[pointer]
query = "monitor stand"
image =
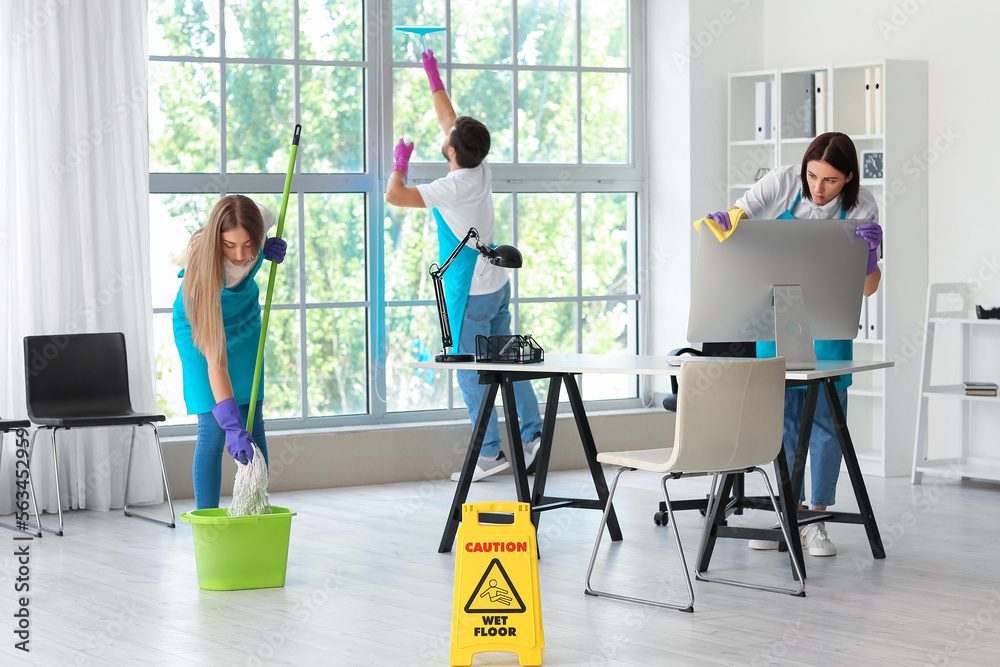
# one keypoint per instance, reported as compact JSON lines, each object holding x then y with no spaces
{"x":792,"y":337}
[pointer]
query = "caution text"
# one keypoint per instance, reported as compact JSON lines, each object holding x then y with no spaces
{"x":495,"y":547}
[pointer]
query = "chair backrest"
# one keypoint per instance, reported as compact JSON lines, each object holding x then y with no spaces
{"x":729,"y":413}
{"x":76,"y":375}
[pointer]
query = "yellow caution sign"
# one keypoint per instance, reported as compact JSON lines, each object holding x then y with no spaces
{"x":497,"y":604}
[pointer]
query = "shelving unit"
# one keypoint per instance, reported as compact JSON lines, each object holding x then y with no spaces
{"x":949,"y":305}
{"x":883,"y":398}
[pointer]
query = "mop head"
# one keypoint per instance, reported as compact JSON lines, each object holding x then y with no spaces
{"x":250,"y":487}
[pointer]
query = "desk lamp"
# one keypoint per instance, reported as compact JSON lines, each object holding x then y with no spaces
{"x":506,"y":256}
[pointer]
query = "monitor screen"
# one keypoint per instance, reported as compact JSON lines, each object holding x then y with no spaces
{"x":731,"y":293}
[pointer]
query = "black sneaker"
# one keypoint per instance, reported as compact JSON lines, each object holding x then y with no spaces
{"x":485,"y":468}
{"x":531,"y":452}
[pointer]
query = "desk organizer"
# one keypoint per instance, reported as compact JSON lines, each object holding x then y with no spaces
{"x":509,"y":349}
{"x":987,"y":313}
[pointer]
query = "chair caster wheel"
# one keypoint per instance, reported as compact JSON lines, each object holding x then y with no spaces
{"x":661,"y":518}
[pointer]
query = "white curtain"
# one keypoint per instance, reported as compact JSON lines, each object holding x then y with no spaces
{"x":74,"y":244}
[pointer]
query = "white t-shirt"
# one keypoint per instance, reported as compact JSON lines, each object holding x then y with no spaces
{"x":776,"y":191}
{"x":236,"y":273}
{"x":465,"y":199}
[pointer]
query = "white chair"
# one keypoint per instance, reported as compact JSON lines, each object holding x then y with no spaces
{"x":729,"y":420}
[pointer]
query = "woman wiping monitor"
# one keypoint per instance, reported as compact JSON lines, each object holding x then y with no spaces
{"x":824,"y":187}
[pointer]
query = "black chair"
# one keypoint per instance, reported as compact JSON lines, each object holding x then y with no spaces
{"x":745,"y":350}
{"x":81,"y":381}
{"x":19,"y":428}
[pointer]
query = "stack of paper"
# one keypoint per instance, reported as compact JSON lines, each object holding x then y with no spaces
{"x":980,"y":388}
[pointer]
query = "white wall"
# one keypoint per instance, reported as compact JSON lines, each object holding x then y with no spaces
{"x":667,"y":253}
{"x":688,"y":156}
{"x":692,"y":46}
{"x":957,"y":39}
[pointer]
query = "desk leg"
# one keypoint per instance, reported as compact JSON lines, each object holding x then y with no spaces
{"x":715,"y":518}
{"x":590,"y":449}
{"x":854,"y":469}
{"x":471,"y":458}
{"x":514,"y":438}
{"x":802,"y":447}
{"x":788,"y":503}
{"x":545,"y":449}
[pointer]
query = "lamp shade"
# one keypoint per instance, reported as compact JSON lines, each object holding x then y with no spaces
{"x":506,"y":256}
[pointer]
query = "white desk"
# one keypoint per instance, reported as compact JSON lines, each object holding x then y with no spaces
{"x":641,"y":364}
{"x":562,"y":367}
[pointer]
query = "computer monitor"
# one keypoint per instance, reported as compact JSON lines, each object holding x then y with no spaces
{"x":807,"y":276}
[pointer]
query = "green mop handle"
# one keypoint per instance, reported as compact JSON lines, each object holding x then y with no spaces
{"x":270,"y":281}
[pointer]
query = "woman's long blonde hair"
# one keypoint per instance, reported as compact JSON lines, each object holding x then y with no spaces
{"x":205,"y":273}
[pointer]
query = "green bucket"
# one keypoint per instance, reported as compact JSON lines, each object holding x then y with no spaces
{"x":238,"y":552}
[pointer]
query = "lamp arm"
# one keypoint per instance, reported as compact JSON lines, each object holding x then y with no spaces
{"x":472,"y":233}
{"x":436,"y":273}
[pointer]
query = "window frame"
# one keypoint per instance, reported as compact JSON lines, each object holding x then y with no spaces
{"x":508,"y":178}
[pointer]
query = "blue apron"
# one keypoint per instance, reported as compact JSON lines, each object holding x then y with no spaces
{"x":241,"y":319}
{"x":825,"y":349}
{"x":458,"y":279}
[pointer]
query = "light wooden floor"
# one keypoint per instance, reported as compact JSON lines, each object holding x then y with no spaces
{"x":366,"y":586}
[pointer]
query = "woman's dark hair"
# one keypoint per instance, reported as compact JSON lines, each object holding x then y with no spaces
{"x":471,"y":141}
{"x":837,"y":150}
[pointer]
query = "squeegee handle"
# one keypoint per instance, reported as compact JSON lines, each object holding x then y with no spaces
{"x":265,"y":316}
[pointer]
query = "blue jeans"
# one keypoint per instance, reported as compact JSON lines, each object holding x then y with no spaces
{"x":489,"y":315}
{"x":206,"y":468}
{"x":824,"y":447}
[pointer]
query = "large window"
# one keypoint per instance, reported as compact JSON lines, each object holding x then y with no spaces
{"x":554,"y":80}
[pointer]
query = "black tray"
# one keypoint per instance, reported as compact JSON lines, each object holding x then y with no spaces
{"x":509,"y":349}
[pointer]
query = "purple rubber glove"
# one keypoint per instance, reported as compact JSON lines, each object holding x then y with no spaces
{"x":401,"y":154}
{"x":239,"y":444}
{"x":431,"y":68}
{"x":871,"y":232}
{"x":274,"y":249}
{"x":722,"y":217}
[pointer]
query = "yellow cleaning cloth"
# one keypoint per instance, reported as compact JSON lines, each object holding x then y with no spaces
{"x":722,"y":235}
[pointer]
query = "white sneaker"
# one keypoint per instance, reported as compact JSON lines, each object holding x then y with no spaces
{"x":485,"y":467}
{"x":765,"y":545}
{"x":816,"y":541}
{"x":531,"y":451}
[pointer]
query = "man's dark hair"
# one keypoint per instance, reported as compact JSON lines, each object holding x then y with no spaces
{"x":471,"y":141}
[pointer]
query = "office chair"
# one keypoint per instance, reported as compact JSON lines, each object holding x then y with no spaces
{"x":734,"y":349}
{"x":19,"y":428}
{"x":81,"y":381}
{"x":729,"y":420}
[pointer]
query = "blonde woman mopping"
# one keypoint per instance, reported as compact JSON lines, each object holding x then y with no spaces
{"x":217,"y":325}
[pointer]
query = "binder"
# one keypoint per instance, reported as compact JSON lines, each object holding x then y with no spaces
{"x":869,"y":102}
{"x":762,"y":110}
{"x":774,"y":112}
{"x":809,"y":107}
{"x":877,"y":100}
{"x":821,"y":96}
{"x":874,"y":322}
{"x":980,"y":388}
{"x":863,"y":323}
